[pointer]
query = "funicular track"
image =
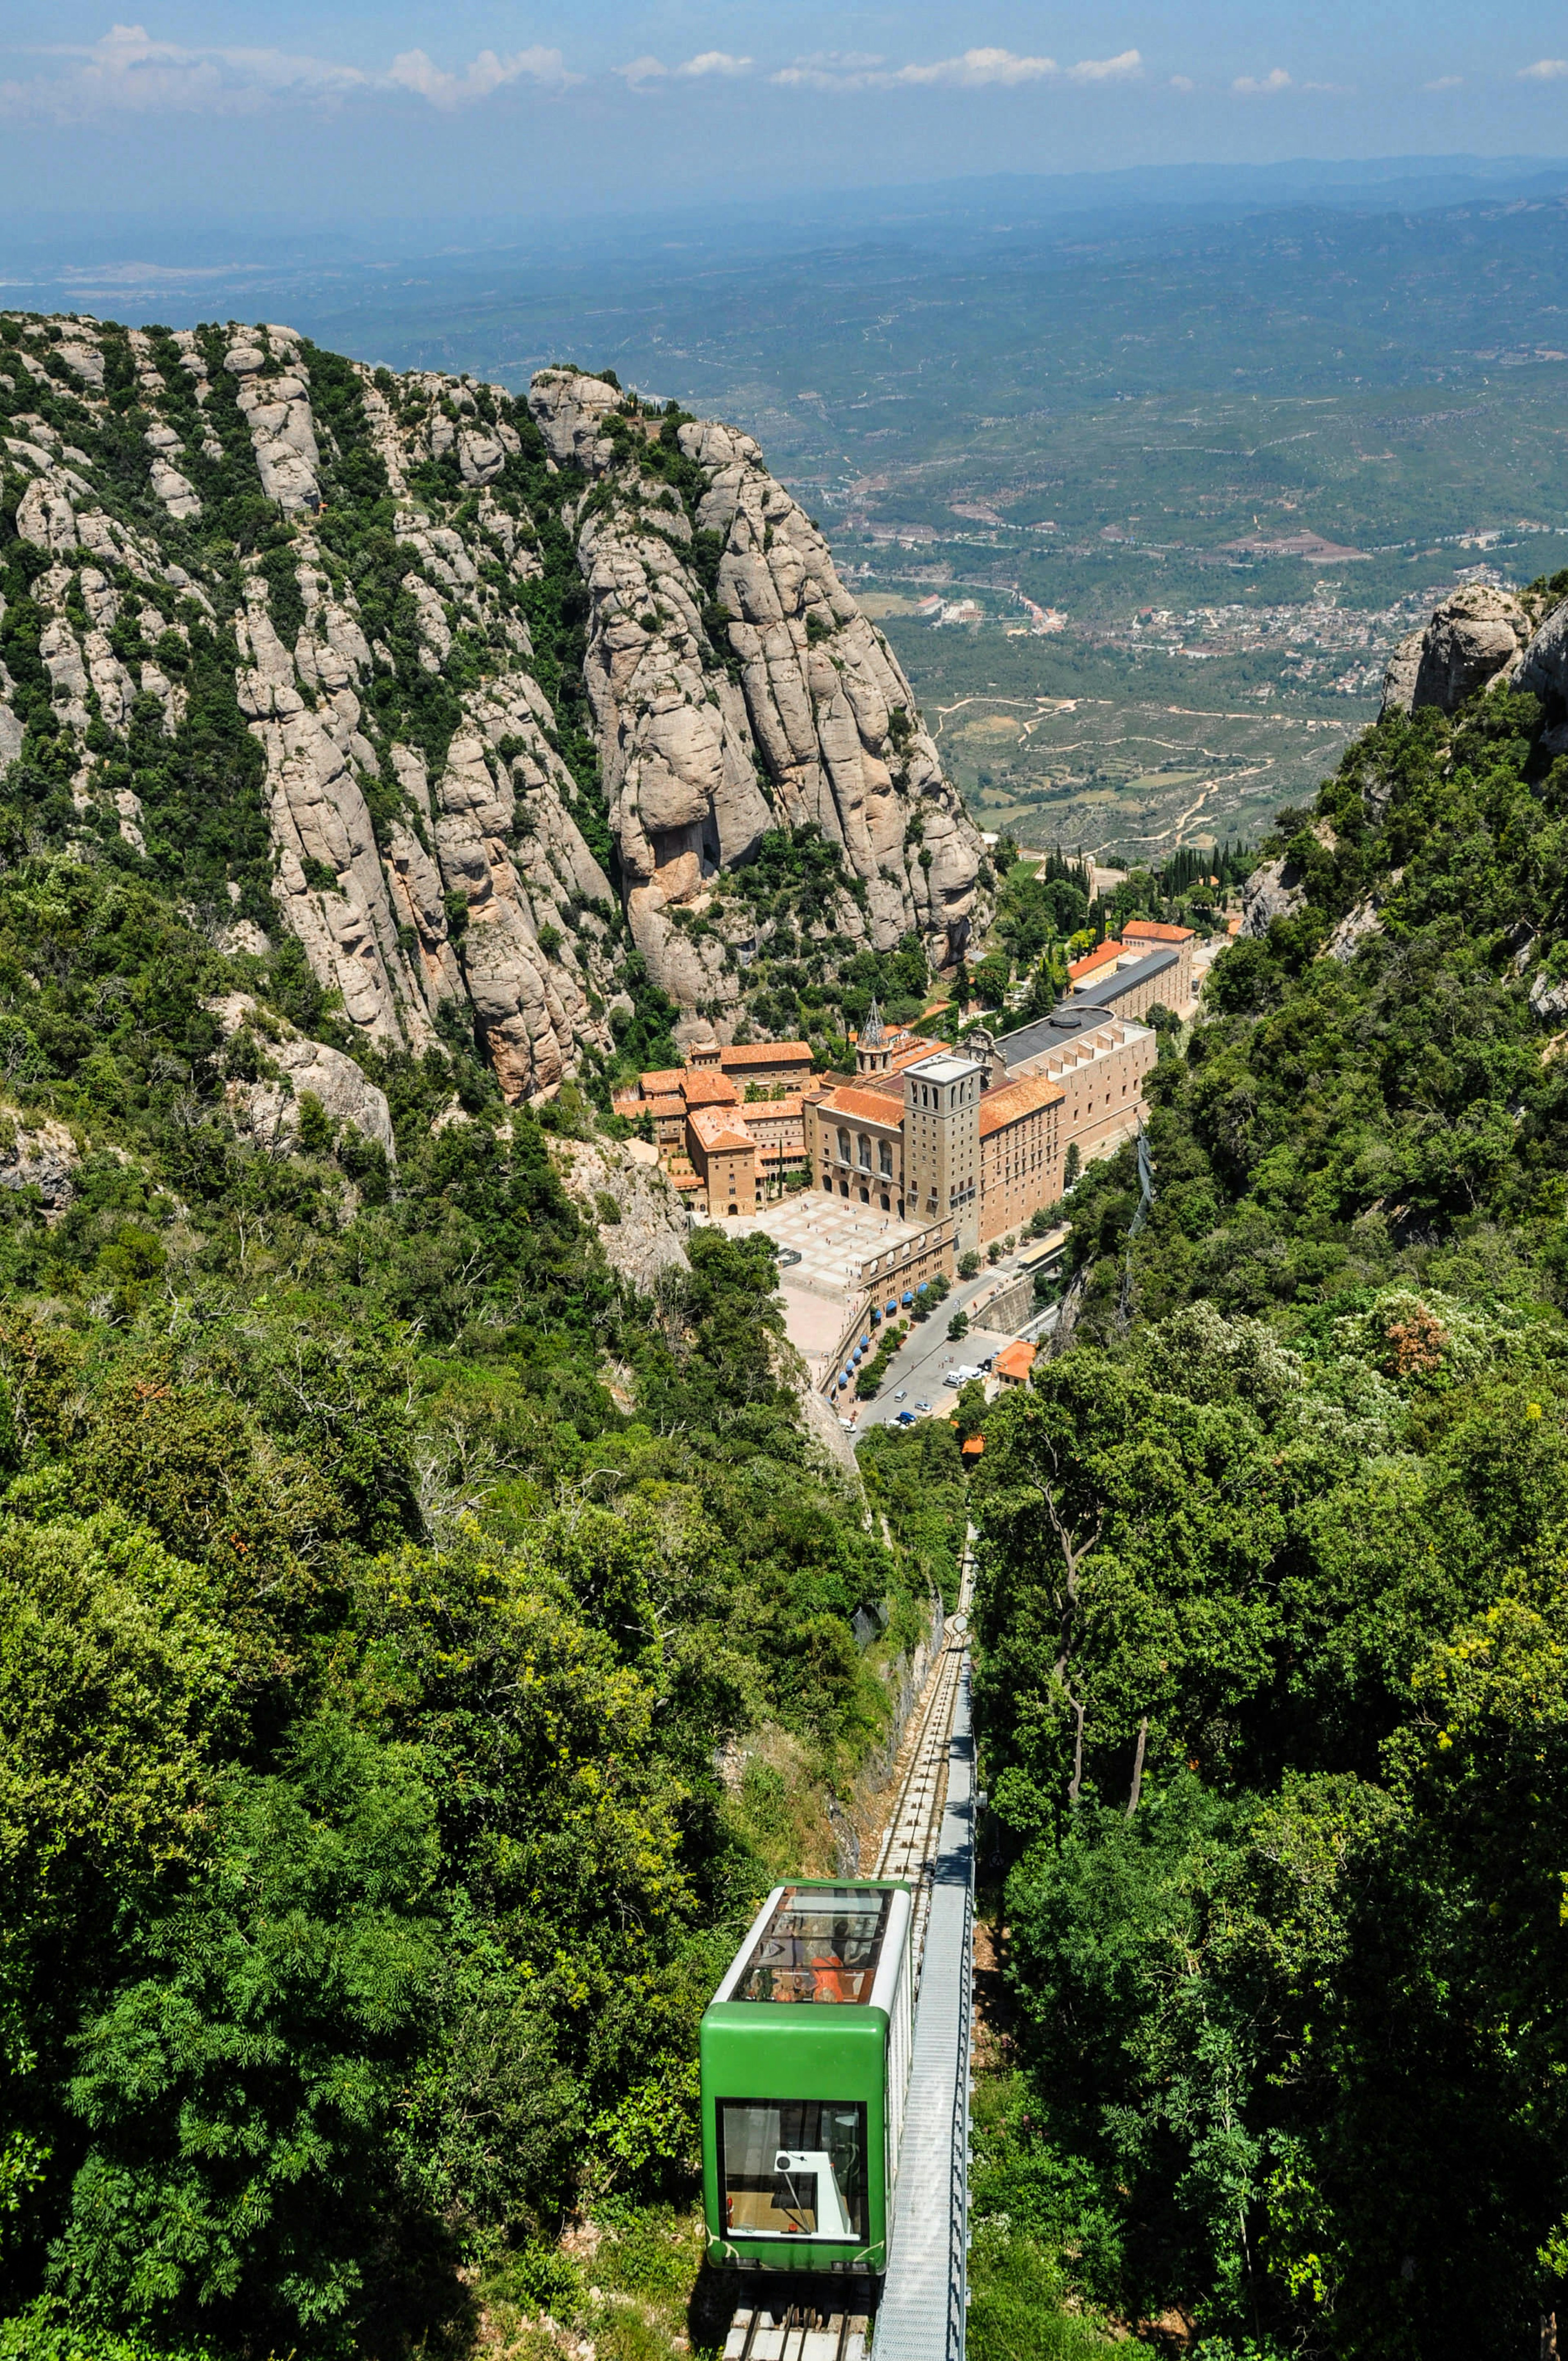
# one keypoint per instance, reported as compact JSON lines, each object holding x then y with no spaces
{"x":783,"y":2318}
{"x":782,"y":2331}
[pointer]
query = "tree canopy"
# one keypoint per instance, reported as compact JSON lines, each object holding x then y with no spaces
{"x":1271,"y":1612}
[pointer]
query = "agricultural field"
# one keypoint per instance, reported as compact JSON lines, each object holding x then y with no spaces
{"x":1126,"y":751}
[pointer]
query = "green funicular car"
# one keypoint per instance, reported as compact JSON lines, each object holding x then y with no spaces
{"x":806,"y":2053}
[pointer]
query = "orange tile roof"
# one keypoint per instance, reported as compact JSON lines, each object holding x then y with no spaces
{"x":662,"y":1081}
{"x":1093,"y":961}
{"x":770,"y":1111}
{"x":767,"y":1053}
{"x":709,"y":1089}
{"x":863,"y":1106}
{"x":915,"y":1048}
{"x":686,"y":1181}
{"x":1150,"y":931}
{"x":1015,"y":1361}
{"x":715,"y":1130}
{"x":1015,"y":1100}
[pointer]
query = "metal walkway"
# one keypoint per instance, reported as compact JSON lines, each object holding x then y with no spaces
{"x":921,"y":2316}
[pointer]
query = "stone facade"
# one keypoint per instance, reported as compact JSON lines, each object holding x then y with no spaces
{"x":904,"y":1139}
{"x":764,"y":1064}
{"x":1130,"y":977}
{"x":1144,"y":935}
{"x":726,"y":1153}
{"x":1020,"y":1151}
{"x":941,"y":1132}
{"x":854,"y":1145}
{"x":724,"y":1156}
{"x":1099,"y":1071}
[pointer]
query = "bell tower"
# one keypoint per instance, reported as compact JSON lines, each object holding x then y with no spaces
{"x":942,"y":1144}
{"x":873,"y":1055}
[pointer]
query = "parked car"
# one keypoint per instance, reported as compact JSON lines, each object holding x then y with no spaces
{"x":920,"y":1405}
{"x":900,"y":1395}
{"x":904,"y":1418}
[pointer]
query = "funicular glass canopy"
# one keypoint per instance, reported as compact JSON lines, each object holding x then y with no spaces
{"x":822,"y":1943}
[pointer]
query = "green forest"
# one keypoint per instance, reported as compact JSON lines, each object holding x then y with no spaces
{"x":1273,"y":1675}
{"x":417,"y":1652}
{"x":422,"y":1643}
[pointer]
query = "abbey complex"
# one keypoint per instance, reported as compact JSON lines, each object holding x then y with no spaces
{"x":973,"y":1142}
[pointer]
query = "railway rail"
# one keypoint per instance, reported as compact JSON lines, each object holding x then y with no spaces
{"x":838,"y":2324}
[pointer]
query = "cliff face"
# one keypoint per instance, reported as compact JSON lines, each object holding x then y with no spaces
{"x":457,"y":692}
{"x":1485,"y":638}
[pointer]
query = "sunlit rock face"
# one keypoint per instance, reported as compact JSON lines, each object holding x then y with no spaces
{"x":463,"y":829}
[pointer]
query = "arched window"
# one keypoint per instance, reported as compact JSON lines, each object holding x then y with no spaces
{"x":865,"y":1148}
{"x":844,"y":1144}
{"x":885,"y":1156}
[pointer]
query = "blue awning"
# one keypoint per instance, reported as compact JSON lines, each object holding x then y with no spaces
{"x":865,"y":1343}
{"x":893,"y":1306}
{"x":843,"y":1381}
{"x":908,"y":1298}
{"x":854,"y":1356}
{"x":922,"y":1286}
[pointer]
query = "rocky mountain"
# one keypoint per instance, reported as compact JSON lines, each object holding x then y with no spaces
{"x":1480,"y":639}
{"x":484,"y":707}
{"x":1485,"y":637}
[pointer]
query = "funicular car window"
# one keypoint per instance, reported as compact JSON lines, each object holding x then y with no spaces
{"x":821,"y":1944}
{"x":793,"y":2168}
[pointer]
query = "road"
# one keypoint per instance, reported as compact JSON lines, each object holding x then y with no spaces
{"x":925,"y":1355}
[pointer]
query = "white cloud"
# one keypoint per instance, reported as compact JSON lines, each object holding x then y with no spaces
{"x":989,"y":69}
{"x":644,"y":73}
{"x":1182,"y":82}
{"x":715,"y":61}
{"x":814,"y":77}
{"x":1544,"y":70}
{"x":414,"y":72}
{"x":1445,"y":81}
{"x":128,"y":71}
{"x":842,"y":60}
{"x":980,"y":69}
{"x":1106,"y":69}
{"x":1249,"y":87}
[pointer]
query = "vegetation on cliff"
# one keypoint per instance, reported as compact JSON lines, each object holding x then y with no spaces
{"x":383,"y":1584}
{"x":1273,"y":1615}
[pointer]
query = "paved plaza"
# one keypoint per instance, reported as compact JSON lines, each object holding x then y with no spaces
{"x":833,"y":1239}
{"x":832,"y":1236}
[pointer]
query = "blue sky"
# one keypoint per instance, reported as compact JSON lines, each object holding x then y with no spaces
{"x":485,"y":107}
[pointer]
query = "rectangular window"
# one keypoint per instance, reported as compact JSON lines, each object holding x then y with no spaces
{"x":792,"y":2168}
